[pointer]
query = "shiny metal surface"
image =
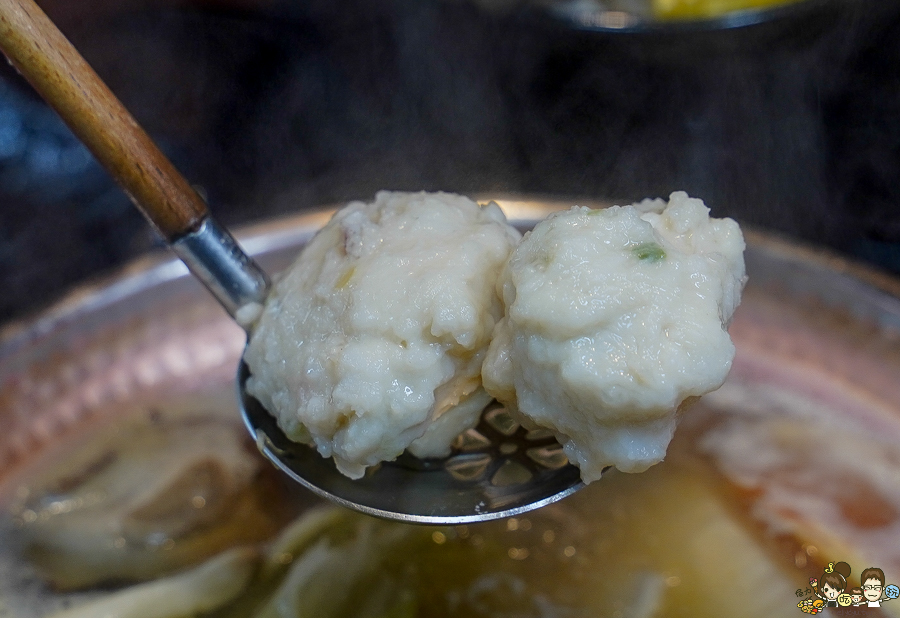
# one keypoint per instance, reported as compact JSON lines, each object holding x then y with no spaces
{"x":621,"y":16}
{"x":466,"y":487}
{"x":213,"y":256}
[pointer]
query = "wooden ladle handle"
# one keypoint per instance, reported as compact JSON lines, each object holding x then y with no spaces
{"x":44,"y":56}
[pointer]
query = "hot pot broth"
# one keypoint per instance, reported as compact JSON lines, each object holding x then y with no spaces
{"x":667,"y":542}
{"x":715,"y":527}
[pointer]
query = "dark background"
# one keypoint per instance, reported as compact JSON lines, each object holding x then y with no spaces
{"x":273,"y":107}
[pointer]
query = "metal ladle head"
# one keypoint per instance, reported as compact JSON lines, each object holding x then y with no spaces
{"x":496,"y":470}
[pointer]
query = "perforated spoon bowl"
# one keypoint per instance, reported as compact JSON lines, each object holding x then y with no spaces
{"x":496,"y":470}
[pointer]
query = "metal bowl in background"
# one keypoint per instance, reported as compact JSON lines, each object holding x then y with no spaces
{"x":637,"y":15}
{"x":818,"y":342}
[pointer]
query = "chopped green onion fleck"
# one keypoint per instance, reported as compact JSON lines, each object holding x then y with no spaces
{"x":649,"y":251}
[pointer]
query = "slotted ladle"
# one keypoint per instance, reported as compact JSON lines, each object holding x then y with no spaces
{"x":496,"y":470}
